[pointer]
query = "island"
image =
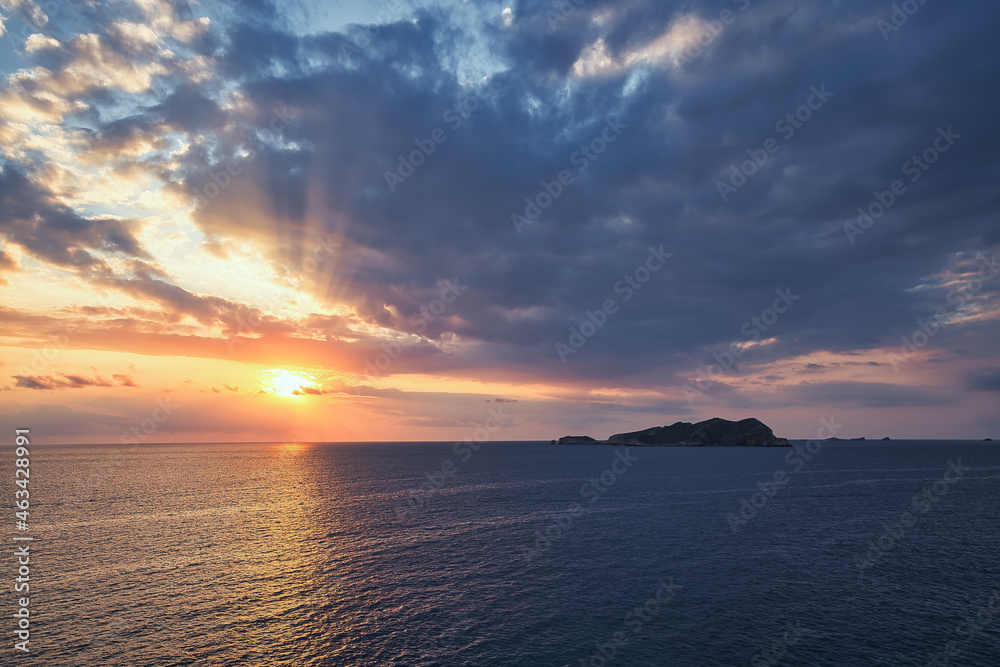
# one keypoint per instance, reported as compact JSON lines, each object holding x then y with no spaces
{"x":575,"y":440}
{"x":713,"y":432}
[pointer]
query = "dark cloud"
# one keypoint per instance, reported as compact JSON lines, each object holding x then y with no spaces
{"x":7,"y":262}
{"x":80,"y":381}
{"x":986,"y":381}
{"x":30,"y":382}
{"x":7,"y":265}
{"x":868,"y":394}
{"x":68,"y":381}
{"x":125,"y":380}
{"x":59,"y":420}
{"x":189,"y":110}
{"x":656,"y":185}
{"x":49,"y":230}
{"x":304,"y":157}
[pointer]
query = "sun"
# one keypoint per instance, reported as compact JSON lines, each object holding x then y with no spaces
{"x":286,"y":383}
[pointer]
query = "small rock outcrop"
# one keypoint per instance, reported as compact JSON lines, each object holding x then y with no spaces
{"x":885,"y":438}
{"x":577,"y":440}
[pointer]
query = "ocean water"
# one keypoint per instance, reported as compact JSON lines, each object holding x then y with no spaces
{"x":874,"y":553}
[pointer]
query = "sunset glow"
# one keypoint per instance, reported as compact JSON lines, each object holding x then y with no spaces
{"x":594,"y":226}
{"x":284,"y":383}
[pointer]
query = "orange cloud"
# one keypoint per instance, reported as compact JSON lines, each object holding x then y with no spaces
{"x":66,"y":381}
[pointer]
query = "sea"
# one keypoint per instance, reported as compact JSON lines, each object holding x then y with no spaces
{"x":509,"y":553}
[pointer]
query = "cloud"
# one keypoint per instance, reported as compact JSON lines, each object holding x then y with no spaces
{"x":69,"y":381}
{"x":986,"y":381}
{"x":7,"y":264}
{"x":77,"y":381}
{"x":655,"y":186}
{"x":125,"y":380}
{"x":29,"y":382}
{"x":867,"y":394}
{"x":28,"y":10}
{"x":37,"y":42}
{"x":666,"y":50}
{"x":62,"y":420}
{"x":53,"y":232}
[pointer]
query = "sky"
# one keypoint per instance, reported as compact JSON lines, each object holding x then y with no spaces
{"x":398,"y":220}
